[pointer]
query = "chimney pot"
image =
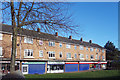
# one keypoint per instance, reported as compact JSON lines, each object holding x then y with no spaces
{"x":90,"y":41}
{"x":38,"y":29}
{"x":81,"y":39}
{"x":56,"y":34}
{"x":70,"y":37}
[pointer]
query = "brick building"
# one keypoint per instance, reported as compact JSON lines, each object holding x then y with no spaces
{"x":39,"y":52}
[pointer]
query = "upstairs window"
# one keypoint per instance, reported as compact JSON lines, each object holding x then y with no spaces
{"x":92,"y":57}
{"x":86,"y":56}
{"x":60,"y":44}
{"x":68,"y":55}
{"x":103,"y":51}
{"x":51,"y":43}
{"x":91,"y":49}
{"x":15,"y":53}
{"x":51,"y":54}
{"x":96,"y":50}
{"x":99,"y":50}
{"x":0,"y":51}
{"x":28,"y":53}
{"x":40,"y":42}
{"x":103,"y":57}
{"x":81,"y":56}
{"x":87,"y":48}
{"x":99,"y":57}
{"x":81,"y":47}
{"x":41,"y":53}
{"x":11,"y":37}
{"x":28,"y":40}
{"x":68,"y":46}
{"x":1,"y":36}
{"x":75,"y":47}
{"x":96,"y":57}
{"x":60,"y":54}
{"x":75,"y":55}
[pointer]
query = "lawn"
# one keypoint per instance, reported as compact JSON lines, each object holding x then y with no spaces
{"x":95,"y":74}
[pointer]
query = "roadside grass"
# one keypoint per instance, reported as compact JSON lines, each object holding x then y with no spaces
{"x":94,"y":74}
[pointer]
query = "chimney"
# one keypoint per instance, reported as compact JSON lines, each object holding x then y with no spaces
{"x":70,"y":37}
{"x":81,"y":39}
{"x":56,"y":34}
{"x":38,"y":29}
{"x":90,"y":41}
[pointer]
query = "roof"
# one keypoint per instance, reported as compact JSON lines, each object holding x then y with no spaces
{"x":41,"y":35}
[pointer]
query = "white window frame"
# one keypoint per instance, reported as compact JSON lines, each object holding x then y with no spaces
{"x":87,"y":48}
{"x":1,"y":36}
{"x":28,"y":40}
{"x":75,"y":55}
{"x":53,"y":54}
{"x":51,"y":43}
{"x":87,"y":56}
{"x":103,"y":51}
{"x":69,"y":56}
{"x":99,"y":50}
{"x":31,"y":52}
{"x":96,"y":50}
{"x":96,"y":57}
{"x":41,"y":53}
{"x":60,"y":53}
{"x":103,"y":57}
{"x":68,"y":46}
{"x":99,"y":57}
{"x":82,"y":56}
{"x":40,"y":42}
{"x":1,"y":52}
{"x":60,"y":44}
{"x":81,"y":47}
{"x":15,"y":53}
{"x":92,"y":58}
{"x":91,"y":49}
{"x":75,"y":47}
{"x":11,"y":37}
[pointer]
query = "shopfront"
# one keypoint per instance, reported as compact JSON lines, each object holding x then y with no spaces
{"x":55,"y":67}
{"x":33,"y":67}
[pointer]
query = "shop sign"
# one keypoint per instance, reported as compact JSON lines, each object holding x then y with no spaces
{"x":56,"y":62}
{"x":34,"y":63}
{"x":9,"y":61}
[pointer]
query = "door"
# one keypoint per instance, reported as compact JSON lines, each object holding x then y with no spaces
{"x":25,"y":69}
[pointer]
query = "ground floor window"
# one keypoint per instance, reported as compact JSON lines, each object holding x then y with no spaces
{"x":55,"y":67}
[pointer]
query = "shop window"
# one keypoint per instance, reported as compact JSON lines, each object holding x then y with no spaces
{"x":68,"y":46}
{"x":68,"y":55}
{"x":28,"y":53}
{"x":60,"y":54}
{"x":51,"y":54}
{"x":1,"y":35}
{"x":81,"y":47}
{"x":28,"y":40}
{"x":51,"y":43}
{"x":0,"y":51}
{"x":60,"y":44}
{"x":41,"y":53}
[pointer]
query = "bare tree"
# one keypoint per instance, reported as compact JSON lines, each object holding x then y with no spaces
{"x":48,"y":16}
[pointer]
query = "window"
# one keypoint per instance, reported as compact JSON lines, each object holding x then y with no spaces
{"x":16,"y":52}
{"x":96,"y":50}
{"x":75,"y":55}
{"x":28,"y":40}
{"x":0,"y":51}
{"x":96,"y":57}
{"x":99,"y":50}
{"x":28,"y":53}
{"x":68,"y":55}
{"x":68,"y":46}
{"x":1,"y":36}
{"x":51,"y":54}
{"x":11,"y":37}
{"x":40,"y":42}
{"x":86,"y":56}
{"x":103,"y":51}
{"x":81,"y":48}
{"x":99,"y":57}
{"x":60,"y":44}
{"x":92,"y":57}
{"x":91,"y":49}
{"x":75,"y":47}
{"x":41,"y":53}
{"x":60,"y":54}
{"x":103,"y":57}
{"x":51,"y":43}
{"x":81,"y":56}
{"x":87,"y":48}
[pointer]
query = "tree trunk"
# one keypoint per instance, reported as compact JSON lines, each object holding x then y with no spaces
{"x":14,"y":39}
